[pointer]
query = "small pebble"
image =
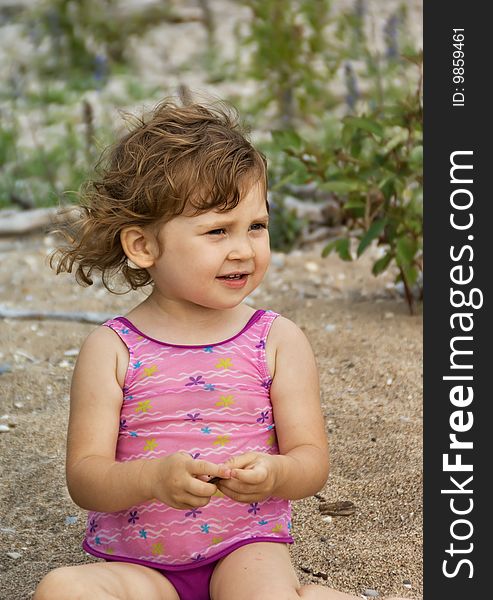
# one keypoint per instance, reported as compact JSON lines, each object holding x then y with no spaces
{"x":5,"y":368}
{"x":389,"y":381}
{"x":329,"y":327}
{"x":4,"y":428}
{"x":19,"y":404}
{"x":327,"y":519}
{"x":311,"y":266}
{"x":71,"y":352}
{"x":24,"y":354}
{"x":71,"y":520}
{"x":14,"y":555}
{"x":407,"y":584}
{"x":371,"y":593}
{"x":388,"y":315}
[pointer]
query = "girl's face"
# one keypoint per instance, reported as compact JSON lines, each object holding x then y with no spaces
{"x":214,"y":259}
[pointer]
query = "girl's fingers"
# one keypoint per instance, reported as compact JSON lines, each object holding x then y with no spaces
{"x":190,"y":501}
{"x":199,"y":488}
{"x":238,"y":487}
{"x":204,"y":467}
{"x":242,"y":460}
{"x":240,"y":496}
{"x":257,"y":474}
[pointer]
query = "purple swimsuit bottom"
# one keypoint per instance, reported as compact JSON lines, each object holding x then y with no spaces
{"x":193,"y":583}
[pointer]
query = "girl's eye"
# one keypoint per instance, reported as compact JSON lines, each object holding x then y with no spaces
{"x":258,"y":226}
{"x":216,"y":232}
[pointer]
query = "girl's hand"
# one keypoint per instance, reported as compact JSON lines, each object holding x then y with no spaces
{"x":176,"y":480}
{"x":254,"y":477}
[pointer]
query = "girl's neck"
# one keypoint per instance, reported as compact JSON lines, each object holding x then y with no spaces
{"x":173,"y":322}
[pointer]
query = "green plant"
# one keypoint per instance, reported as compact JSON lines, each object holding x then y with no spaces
{"x":289,"y":54}
{"x":284,"y":225}
{"x":38,"y":165}
{"x":89,"y":37}
{"x":374,"y":169}
{"x":374,"y":76}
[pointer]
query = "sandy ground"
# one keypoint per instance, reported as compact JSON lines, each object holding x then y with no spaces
{"x":369,"y":351}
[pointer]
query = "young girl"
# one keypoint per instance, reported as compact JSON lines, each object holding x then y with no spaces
{"x":194,"y":419}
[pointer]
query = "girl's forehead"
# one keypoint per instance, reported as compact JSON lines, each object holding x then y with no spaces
{"x":252,"y":200}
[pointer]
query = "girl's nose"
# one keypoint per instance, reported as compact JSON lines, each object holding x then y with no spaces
{"x":241,"y":249}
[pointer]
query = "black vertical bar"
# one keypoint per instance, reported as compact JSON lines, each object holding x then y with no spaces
{"x":457,"y":119}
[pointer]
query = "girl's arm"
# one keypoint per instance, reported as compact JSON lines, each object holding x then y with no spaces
{"x":96,"y":481}
{"x":301,"y":469}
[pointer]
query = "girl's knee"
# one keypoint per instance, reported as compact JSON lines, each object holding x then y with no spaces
{"x":61,"y":584}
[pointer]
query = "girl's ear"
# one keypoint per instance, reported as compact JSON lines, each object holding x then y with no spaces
{"x":139,"y":245}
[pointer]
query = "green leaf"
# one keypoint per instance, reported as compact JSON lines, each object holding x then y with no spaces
{"x":341,"y":186}
{"x":382,"y":264}
{"x":387,"y":186}
{"x":365,"y":124}
{"x":400,"y":137}
{"x":287,"y":139}
{"x":354,"y":203}
{"x":416,"y":156}
{"x":406,"y":249}
{"x":328,"y":248}
{"x":342,"y":248}
{"x":289,"y":177}
{"x":373,"y":232}
{"x":410,"y":273}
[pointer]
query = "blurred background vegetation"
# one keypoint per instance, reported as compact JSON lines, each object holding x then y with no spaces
{"x":330,"y":89}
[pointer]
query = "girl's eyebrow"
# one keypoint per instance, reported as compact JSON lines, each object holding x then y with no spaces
{"x":224,"y":222}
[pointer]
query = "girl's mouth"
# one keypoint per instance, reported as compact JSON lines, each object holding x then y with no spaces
{"x":233,"y":276}
{"x":235,"y":280}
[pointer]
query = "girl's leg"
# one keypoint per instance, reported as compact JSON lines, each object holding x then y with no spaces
{"x":263,"y":571}
{"x":105,"y":581}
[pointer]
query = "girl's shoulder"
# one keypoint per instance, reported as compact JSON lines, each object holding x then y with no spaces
{"x":286,"y":344}
{"x":103,"y":336}
{"x":104,"y":349}
{"x":285,"y":331}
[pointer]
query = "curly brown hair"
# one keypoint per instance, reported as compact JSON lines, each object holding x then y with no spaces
{"x":194,"y":157}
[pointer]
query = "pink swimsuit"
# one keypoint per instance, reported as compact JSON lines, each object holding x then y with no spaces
{"x":213,"y":403}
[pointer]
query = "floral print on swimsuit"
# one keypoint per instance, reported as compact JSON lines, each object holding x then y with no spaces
{"x":210,"y":401}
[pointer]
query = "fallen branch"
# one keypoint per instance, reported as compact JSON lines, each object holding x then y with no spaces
{"x":15,"y":222}
{"x":81,"y":317}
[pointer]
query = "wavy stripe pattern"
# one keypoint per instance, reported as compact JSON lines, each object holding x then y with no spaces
{"x":212,"y":402}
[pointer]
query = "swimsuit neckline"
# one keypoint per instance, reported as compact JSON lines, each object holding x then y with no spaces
{"x":251,"y":321}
